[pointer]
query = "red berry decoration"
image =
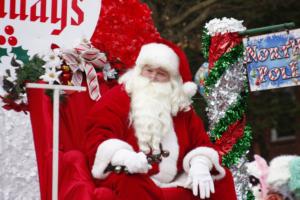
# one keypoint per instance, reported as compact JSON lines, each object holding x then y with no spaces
{"x":9,"y":30}
{"x":65,"y":78}
{"x":2,"y":40}
{"x":12,"y":41}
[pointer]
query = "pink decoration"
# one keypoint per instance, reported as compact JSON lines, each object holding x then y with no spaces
{"x":264,"y":169}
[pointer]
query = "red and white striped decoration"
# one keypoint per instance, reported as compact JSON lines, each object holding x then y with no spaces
{"x":92,"y":81}
{"x":85,"y":58}
{"x":274,"y":54}
{"x":294,"y":69}
{"x":283,"y":73}
{"x":274,"y":74}
{"x":263,"y":54}
{"x":262,"y":71}
{"x":251,"y":52}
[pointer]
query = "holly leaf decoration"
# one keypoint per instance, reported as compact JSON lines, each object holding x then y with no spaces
{"x":21,"y":54}
{"x":3,"y":52}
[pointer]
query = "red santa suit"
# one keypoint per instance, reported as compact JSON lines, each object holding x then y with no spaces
{"x":109,"y":130}
{"x":140,"y":115}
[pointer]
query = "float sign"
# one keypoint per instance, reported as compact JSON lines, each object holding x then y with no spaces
{"x":273,"y":60}
{"x":29,"y":27}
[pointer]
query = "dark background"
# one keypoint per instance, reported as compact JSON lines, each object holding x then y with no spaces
{"x":273,"y":114}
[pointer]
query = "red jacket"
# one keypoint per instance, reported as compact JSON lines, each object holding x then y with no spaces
{"x":109,"y":119}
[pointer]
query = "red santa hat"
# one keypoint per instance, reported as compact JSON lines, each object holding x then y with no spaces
{"x":170,"y":57}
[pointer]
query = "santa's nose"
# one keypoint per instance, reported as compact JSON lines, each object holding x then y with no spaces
{"x":152,"y":76}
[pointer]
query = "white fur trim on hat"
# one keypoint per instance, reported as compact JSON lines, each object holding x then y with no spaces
{"x":158,"y":55}
{"x":209,"y":153}
{"x":190,"y":88}
{"x":104,"y":154}
{"x":253,"y":169}
{"x":279,"y":172}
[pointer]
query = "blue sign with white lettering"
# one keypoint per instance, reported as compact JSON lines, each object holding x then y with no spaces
{"x":273,"y":60}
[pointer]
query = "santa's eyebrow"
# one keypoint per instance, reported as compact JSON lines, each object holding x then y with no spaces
{"x":162,"y":70}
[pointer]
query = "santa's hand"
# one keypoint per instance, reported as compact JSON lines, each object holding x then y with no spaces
{"x":199,"y":178}
{"x":134,"y":162}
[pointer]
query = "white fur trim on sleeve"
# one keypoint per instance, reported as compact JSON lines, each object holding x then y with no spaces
{"x":104,"y":154}
{"x":209,"y":153}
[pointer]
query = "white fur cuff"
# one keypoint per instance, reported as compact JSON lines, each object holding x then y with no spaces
{"x":209,"y":153}
{"x":104,"y":154}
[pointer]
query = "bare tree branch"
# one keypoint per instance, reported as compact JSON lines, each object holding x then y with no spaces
{"x":203,"y":16}
{"x":198,"y":21}
{"x":168,"y":11}
{"x":188,"y":12}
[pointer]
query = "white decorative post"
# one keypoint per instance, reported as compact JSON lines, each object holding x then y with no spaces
{"x":56,"y":89}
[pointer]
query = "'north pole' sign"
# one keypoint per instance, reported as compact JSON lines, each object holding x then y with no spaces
{"x":273,"y":60}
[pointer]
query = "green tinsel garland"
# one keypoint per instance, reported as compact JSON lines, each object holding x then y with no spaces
{"x":222,"y":64}
{"x":239,"y":149}
{"x":234,"y":113}
{"x":250,"y":196}
{"x":205,"y":44}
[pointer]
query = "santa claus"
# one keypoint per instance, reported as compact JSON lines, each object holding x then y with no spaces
{"x":147,"y":126}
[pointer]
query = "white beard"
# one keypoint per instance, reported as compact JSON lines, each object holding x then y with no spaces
{"x":151,"y":113}
{"x":152,"y":106}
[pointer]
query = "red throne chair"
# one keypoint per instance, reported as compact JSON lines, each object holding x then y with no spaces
{"x":75,"y":180}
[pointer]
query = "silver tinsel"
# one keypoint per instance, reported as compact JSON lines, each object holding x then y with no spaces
{"x":241,"y":178}
{"x":109,"y":72}
{"x":225,"y":93}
